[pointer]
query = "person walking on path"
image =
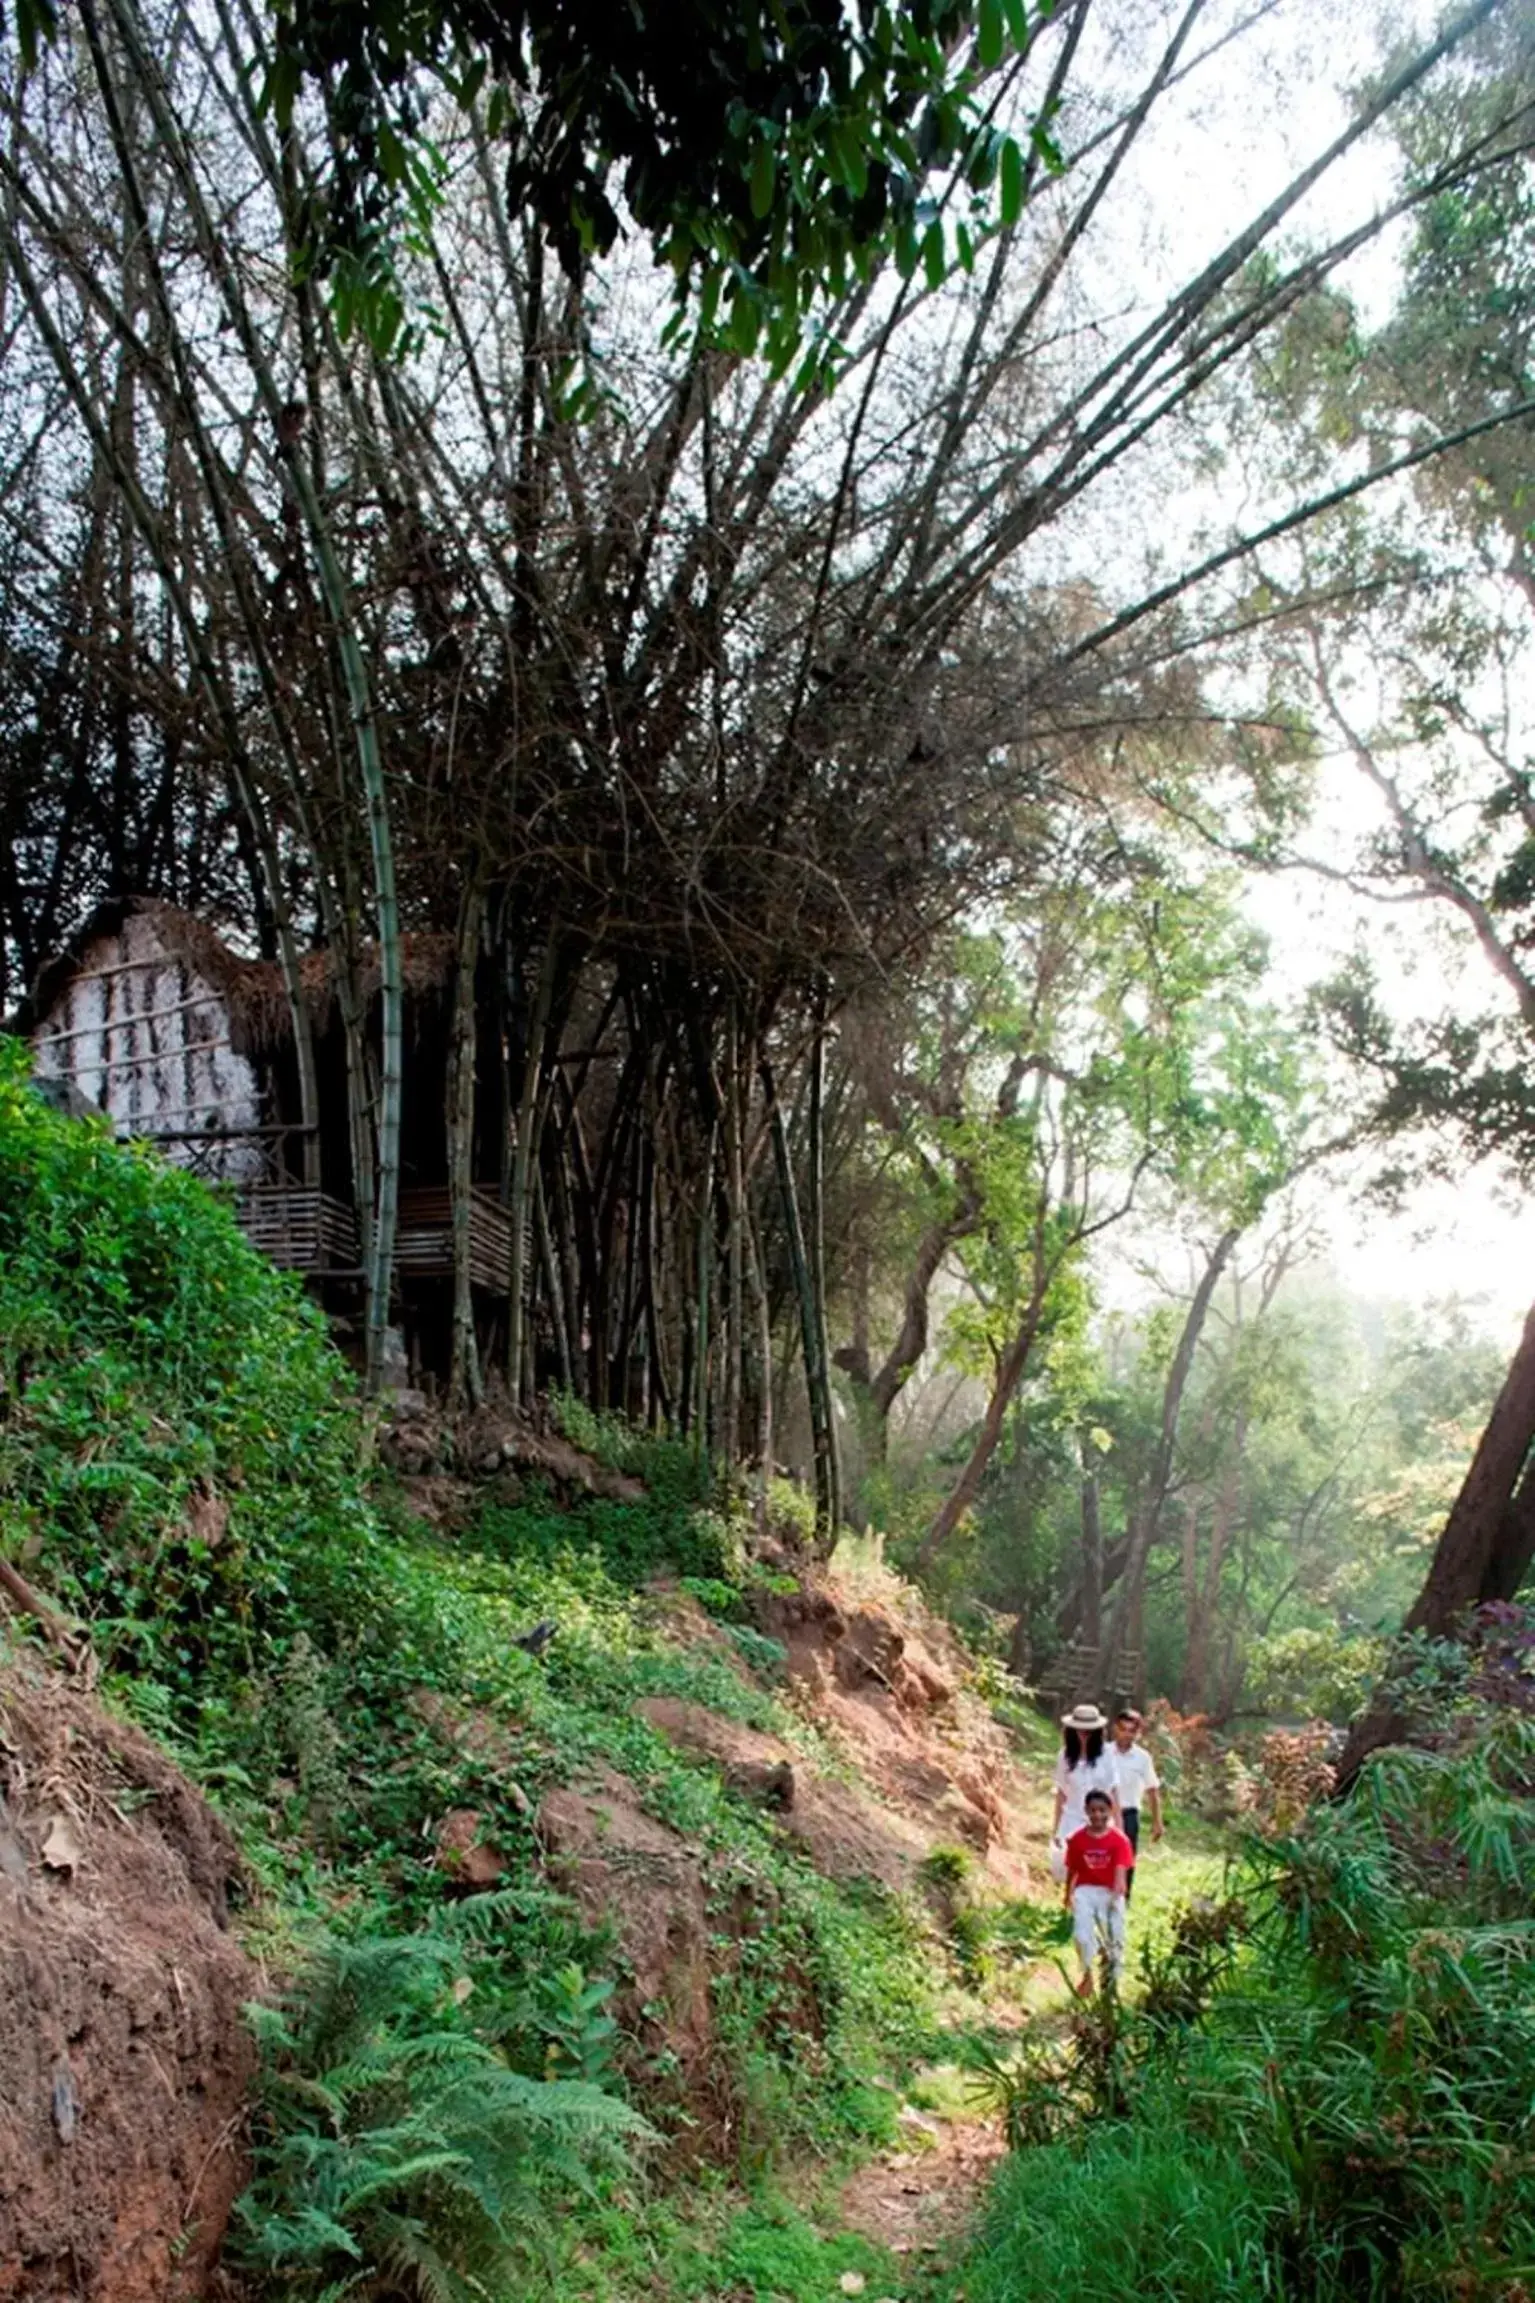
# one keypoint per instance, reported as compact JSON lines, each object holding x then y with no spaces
{"x":1083,"y":1766}
{"x":1138,"y":1785}
{"x":1098,"y":1862}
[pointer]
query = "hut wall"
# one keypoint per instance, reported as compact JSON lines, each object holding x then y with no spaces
{"x":146,"y":1039}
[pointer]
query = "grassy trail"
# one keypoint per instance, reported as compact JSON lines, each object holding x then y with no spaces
{"x":895,"y":2228}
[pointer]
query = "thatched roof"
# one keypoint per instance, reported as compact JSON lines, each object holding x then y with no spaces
{"x":253,"y":991}
{"x":182,"y":935}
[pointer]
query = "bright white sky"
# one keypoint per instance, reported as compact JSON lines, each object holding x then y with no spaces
{"x":1242,"y":126}
{"x":1475,"y":1238}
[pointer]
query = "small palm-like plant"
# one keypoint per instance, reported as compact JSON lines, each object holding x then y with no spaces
{"x":397,"y":2155}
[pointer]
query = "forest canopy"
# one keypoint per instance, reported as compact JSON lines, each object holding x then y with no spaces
{"x":817,"y":799}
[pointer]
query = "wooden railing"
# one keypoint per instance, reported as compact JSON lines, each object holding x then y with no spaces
{"x":299,"y":1228}
{"x":424,"y":1243}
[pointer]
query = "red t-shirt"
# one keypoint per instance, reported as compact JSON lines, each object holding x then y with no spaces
{"x":1092,"y":1858}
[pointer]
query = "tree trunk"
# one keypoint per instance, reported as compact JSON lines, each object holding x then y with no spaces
{"x":878,"y":1389}
{"x":1486,"y":1545}
{"x":554,"y":1281}
{"x":1008,"y":1377}
{"x":1147,"y":1517}
{"x":1485,"y":1539}
{"x":816,"y":1147}
{"x":1092,"y":1552}
{"x":735,"y":1280}
{"x":528,"y":1116}
{"x":765,"y":1376}
{"x":1069,"y":1615}
{"x":703,"y":1328}
{"x":1195,"y":1693}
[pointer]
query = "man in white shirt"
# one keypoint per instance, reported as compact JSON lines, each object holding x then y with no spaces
{"x":1135,"y":1775}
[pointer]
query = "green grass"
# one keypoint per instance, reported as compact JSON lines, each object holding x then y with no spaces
{"x":717,"y":2246}
{"x":1141,"y":2212}
{"x":1190,"y":1861}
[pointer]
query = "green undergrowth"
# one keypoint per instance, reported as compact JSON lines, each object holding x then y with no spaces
{"x":1320,"y":2087}
{"x":183,"y":1471}
{"x":762,"y":2249}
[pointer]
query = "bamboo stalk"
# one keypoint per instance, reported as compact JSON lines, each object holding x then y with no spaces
{"x":735,"y":1197}
{"x":464,"y":1359}
{"x":816,"y":1150}
{"x":554,"y":1282}
{"x":804,"y":1291}
{"x":528,"y":1116}
{"x":380,"y":1254}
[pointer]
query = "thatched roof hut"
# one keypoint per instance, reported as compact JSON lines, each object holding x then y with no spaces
{"x":148,"y":1016}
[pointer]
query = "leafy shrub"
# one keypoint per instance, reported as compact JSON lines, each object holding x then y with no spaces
{"x":180,"y":1451}
{"x":1313,"y":1673}
{"x":948,"y":1869}
{"x":1210,"y":1780}
{"x":659,"y":1534}
{"x":767,"y":1657}
{"x":393,"y":2144}
{"x":1294,"y":1770}
{"x":1500,"y":1648}
{"x":791,"y":1514}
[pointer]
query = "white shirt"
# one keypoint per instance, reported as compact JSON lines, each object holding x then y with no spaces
{"x":1088,"y":1775}
{"x":1135,"y":1772}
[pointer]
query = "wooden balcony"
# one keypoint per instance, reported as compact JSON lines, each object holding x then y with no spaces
{"x":424,"y":1242}
{"x":299,"y":1228}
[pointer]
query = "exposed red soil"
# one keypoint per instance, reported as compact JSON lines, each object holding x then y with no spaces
{"x":634,"y":1874}
{"x":889,"y":1687}
{"x":424,"y":1443}
{"x":915,"y":2199}
{"x":124,"y":2058}
{"x":845,"y":1832}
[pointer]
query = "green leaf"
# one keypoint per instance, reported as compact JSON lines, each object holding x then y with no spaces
{"x":906,"y":247}
{"x":1012,"y":182}
{"x":1048,"y":149}
{"x":988,"y":33}
{"x":763,"y":175}
{"x":1017,"y":15}
{"x":965,"y":245}
{"x":391,"y":154}
{"x":280,"y":89}
{"x":36,"y":21}
{"x":933,"y":259}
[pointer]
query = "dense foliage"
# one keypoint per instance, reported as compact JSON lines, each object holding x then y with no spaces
{"x":1325,"y":2091}
{"x":179,"y":1448}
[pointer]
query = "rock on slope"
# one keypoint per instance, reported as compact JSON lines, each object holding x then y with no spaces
{"x":124,"y":2059}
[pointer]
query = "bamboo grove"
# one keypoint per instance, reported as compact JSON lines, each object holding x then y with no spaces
{"x":718,"y":740}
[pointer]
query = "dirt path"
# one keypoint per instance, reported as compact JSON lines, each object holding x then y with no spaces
{"x":918,"y":2199}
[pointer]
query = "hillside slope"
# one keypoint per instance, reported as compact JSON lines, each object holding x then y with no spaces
{"x":689,"y":1854}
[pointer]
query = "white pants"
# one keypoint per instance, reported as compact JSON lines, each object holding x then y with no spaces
{"x":1098,"y":1923}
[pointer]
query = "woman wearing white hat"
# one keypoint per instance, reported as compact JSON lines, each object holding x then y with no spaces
{"x":1083,"y":1766}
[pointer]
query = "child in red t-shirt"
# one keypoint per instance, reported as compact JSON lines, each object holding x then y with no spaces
{"x":1099,"y":1861}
